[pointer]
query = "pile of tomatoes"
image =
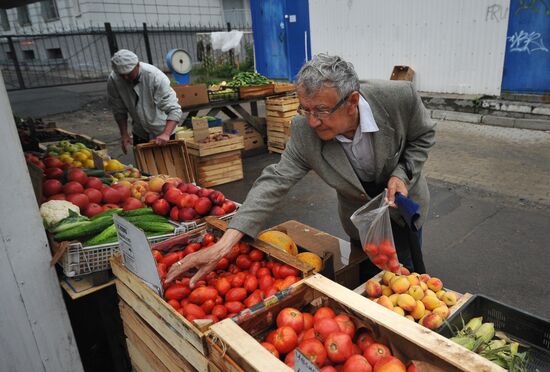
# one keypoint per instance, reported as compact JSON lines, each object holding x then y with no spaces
{"x":383,"y":255}
{"x":330,"y":341}
{"x":240,"y":280}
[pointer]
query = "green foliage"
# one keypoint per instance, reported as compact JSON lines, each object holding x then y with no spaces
{"x":213,"y":70}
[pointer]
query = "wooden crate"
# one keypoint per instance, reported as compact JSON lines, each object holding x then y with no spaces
{"x":280,"y":111}
{"x":161,"y":339}
{"x":408,"y":340}
{"x":256,"y":91}
{"x":282,"y":104}
{"x":217,"y":169}
{"x":171,"y":159}
{"x":68,"y":135}
{"x":284,"y":87}
{"x":234,"y":142}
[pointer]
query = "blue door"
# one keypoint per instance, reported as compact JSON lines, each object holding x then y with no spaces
{"x":527,"y":58}
{"x":281,"y":36}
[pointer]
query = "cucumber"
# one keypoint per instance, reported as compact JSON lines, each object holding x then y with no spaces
{"x":136,"y":212}
{"x":106,"y":236}
{"x":80,"y":232}
{"x":107,"y":180}
{"x":109,"y":212}
{"x":100,"y":173}
{"x":147,"y":218}
{"x":159,"y":227}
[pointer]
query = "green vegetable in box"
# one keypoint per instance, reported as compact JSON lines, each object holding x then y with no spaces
{"x":243,"y":79}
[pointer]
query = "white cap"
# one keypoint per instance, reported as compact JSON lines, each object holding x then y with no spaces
{"x":124,"y":61}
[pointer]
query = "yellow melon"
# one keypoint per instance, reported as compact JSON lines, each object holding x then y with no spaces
{"x":312,"y":259}
{"x":280,"y":240}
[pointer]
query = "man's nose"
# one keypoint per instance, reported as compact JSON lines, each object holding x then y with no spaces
{"x":313,"y":122}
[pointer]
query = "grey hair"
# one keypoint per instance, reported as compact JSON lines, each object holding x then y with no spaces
{"x":328,"y":71}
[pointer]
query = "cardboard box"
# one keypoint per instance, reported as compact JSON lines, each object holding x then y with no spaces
{"x":191,"y":94}
{"x":252,"y":139}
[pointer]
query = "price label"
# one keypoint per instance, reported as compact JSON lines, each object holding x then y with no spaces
{"x":136,"y":253}
{"x":98,"y":160}
{"x":302,"y":363}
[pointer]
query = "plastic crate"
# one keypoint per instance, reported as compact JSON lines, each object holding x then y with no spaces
{"x":527,"y":328}
{"x":192,"y":225}
{"x":79,"y":260}
{"x":226,"y":95}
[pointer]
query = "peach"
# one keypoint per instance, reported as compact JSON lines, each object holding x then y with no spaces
{"x":413,"y":279}
{"x":404,"y":271}
{"x":393,"y":299}
{"x":416,"y":292}
{"x":386,"y":291}
{"x":432,"y":321}
{"x":203,"y":205}
{"x":385,"y":301}
{"x":217,"y":211}
{"x":431,"y":302}
{"x":399,"y":311}
{"x":155,"y":184}
{"x":419,"y":311}
{"x":128,"y":184}
{"x":406,"y":302}
{"x":139,"y":189}
{"x":424,"y":277}
{"x":449,"y":298}
{"x":435,"y":284}
{"x":373,"y":288}
{"x":439,"y":294}
{"x":150,"y":197}
{"x":423,"y":285}
{"x":400,"y":285}
{"x":443,"y":311}
{"x":409,"y":317}
{"x":386,"y":278}
{"x":429,"y":292}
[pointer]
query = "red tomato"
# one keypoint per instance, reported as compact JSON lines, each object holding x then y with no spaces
{"x":161,"y":268}
{"x":374,"y":352}
{"x":243,"y":262}
{"x":329,"y":369}
{"x":219,"y":300}
{"x":270,"y":291}
{"x":265,"y":281}
{"x":175,"y":304}
{"x":357,"y":363}
{"x":288,"y":281}
{"x":244,"y":248}
{"x":57,"y":197}
{"x":222,"y":264}
{"x":285,"y":339}
{"x":275,"y":269}
{"x":80,"y":200}
{"x":222,"y":285}
{"x":234,"y":307}
{"x":270,"y":348}
{"x":308,"y":321}
{"x":256,"y":255}
{"x":72,"y":187}
{"x":212,"y":317}
{"x":390,"y":363}
{"x":193,"y":310}
{"x":371,"y":249}
{"x":111,"y":195}
{"x":386,"y":247}
{"x":254,"y":268}
{"x":286,"y":270}
{"x":53,"y":172}
{"x":314,"y":350}
{"x":208,"y":305}
{"x":94,"y":183}
{"x":202,"y":294}
{"x":339,"y":346}
{"x":325,"y":327}
{"x":346,"y":324}
{"x":170,"y":259}
{"x":157,"y":255}
{"x":208,"y":238}
{"x":238,"y":280}
{"x":270,"y":336}
{"x":184,"y":302}
{"x":77,"y":175}
{"x":191,"y":248}
{"x":235,"y":294}
{"x":250,"y":283}
{"x":364,"y":339}
{"x":263,"y":272}
{"x":379,"y":259}
{"x":220,"y":311}
{"x":176,"y":291}
{"x":233,"y":253}
{"x":92,"y":209}
{"x":291,"y":317}
{"x":253,"y":299}
{"x":311,"y":333}
{"x":323,"y":312}
{"x":289,"y":359}
{"x":94,"y":195}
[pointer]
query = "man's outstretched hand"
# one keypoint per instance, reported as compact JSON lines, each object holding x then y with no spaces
{"x":396,"y":184}
{"x":204,"y":260}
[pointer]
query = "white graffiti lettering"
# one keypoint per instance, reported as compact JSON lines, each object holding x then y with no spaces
{"x":526,"y":42}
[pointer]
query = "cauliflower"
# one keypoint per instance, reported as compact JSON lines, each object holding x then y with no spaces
{"x":54,"y":211}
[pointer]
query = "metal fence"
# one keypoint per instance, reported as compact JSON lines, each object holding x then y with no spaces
{"x":83,"y":56}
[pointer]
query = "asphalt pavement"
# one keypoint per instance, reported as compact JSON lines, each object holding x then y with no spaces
{"x":487,"y":230}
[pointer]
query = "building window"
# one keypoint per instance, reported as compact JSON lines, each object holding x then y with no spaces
{"x":49,"y":10}
{"x":28,"y":55}
{"x":4,"y":20}
{"x":10,"y":55}
{"x":54,"y":53}
{"x":23,"y":16}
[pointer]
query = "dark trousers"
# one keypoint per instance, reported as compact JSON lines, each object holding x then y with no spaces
{"x":408,"y":243}
{"x":138,"y":140}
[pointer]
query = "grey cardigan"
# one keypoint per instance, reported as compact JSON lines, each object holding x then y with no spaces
{"x":406,"y":134}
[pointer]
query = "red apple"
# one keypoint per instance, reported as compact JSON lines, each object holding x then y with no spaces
{"x":132,"y":203}
{"x":111,"y":195}
{"x":192,"y":189}
{"x":175,"y":213}
{"x":172,"y":195}
{"x":94,"y":183}
{"x":217,"y":198}
{"x":203,"y":205}
{"x":56,"y":173}
{"x":52,"y":162}
{"x":217,"y":211}
{"x":77,"y":175}
{"x":123,"y":190}
{"x":205,"y":192}
{"x":92,"y":209}
{"x":183,"y":187}
{"x":94,"y":195}
{"x":187,"y":214}
{"x":229,"y":206}
{"x":161,"y":207}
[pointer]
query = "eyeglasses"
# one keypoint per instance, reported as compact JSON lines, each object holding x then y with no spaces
{"x":323,"y":114}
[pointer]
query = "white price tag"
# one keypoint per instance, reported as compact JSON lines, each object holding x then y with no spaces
{"x":136,"y":253}
{"x":302,"y":363}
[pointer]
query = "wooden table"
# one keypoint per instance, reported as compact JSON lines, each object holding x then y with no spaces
{"x":82,"y":286}
{"x":234,"y":109}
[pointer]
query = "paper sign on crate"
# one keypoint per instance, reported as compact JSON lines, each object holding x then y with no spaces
{"x":200,"y":129}
{"x":302,"y":363}
{"x":136,"y":253}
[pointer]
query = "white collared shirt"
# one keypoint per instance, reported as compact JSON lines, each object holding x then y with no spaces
{"x":360,"y":151}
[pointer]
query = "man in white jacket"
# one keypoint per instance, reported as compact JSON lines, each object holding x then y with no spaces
{"x":144,"y":92}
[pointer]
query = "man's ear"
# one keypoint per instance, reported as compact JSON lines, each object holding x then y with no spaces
{"x":353,"y":100}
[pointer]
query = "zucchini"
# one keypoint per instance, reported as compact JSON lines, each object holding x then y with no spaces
{"x":107,"y":180}
{"x":147,"y":218}
{"x":106,"y":236}
{"x":79,"y":232}
{"x":159,"y":227}
{"x":107,"y":213}
{"x":136,"y":212}
{"x":100,"y":173}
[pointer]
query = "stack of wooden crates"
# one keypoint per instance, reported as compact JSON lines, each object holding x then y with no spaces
{"x":279,"y":114}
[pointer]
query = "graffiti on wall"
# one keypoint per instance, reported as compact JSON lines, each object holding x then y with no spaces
{"x":496,"y":13}
{"x":526,"y":42}
{"x":535,"y":6}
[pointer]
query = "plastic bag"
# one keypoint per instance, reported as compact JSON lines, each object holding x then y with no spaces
{"x":374,"y":225}
{"x":226,"y":41}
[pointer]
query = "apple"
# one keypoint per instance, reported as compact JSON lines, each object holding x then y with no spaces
{"x":132,"y":203}
{"x":217,"y":211}
{"x":56,"y":173}
{"x":187,"y":214}
{"x":175,"y":213}
{"x":124,"y":190}
{"x":217,"y":198}
{"x":203,"y":205}
{"x":229,"y":206}
{"x":150,"y":197}
{"x":192,"y":189}
{"x":161,"y":207}
{"x":172,"y":195}
{"x":205,"y":192}
{"x":183,"y":187}
{"x":92,"y":209}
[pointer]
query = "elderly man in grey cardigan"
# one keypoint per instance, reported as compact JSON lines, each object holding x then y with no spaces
{"x":359,"y":140}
